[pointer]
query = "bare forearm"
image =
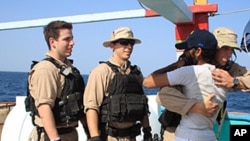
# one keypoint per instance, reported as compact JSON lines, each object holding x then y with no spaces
{"x":158,"y":78}
{"x":92,"y":121}
{"x":168,"y":68}
{"x":48,"y":121}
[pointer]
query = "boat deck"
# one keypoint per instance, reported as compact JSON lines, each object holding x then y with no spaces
{"x":5,"y":108}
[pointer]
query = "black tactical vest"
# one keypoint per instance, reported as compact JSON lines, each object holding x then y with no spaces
{"x":126,"y":100}
{"x":69,"y":106}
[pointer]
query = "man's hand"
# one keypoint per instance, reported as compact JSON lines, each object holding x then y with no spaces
{"x":206,"y":107}
{"x":222,"y":78}
{"x":210,"y":107}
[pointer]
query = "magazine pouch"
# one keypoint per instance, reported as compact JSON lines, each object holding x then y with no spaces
{"x":127,"y":107}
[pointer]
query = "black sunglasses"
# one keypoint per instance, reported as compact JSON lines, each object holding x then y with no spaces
{"x":125,"y":42}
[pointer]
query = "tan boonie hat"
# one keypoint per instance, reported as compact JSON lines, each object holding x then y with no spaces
{"x":121,"y":33}
{"x":226,"y":37}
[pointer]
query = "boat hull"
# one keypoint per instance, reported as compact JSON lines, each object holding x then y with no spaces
{"x":231,"y":119}
{"x":18,"y":125}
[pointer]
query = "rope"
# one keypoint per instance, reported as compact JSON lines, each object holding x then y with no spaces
{"x":221,"y":124}
{"x":232,"y":12}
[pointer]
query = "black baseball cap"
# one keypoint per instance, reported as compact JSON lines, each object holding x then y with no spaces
{"x":199,"y":38}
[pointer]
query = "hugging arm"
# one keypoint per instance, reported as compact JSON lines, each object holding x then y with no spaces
{"x":159,"y":77}
{"x":171,"y":97}
{"x":174,"y":100}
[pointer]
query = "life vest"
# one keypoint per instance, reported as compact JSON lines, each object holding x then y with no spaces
{"x":126,"y":100}
{"x":69,"y":106}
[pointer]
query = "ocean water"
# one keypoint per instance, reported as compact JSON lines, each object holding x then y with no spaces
{"x":14,"y":84}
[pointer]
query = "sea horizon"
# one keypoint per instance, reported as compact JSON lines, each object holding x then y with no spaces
{"x":13,"y":83}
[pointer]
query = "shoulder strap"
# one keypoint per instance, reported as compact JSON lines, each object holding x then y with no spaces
{"x":112,"y":66}
{"x":63,"y":71}
{"x":31,"y":66}
{"x":134,"y":68}
{"x":53,"y":61}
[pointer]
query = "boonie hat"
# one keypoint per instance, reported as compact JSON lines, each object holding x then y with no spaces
{"x":226,"y":37}
{"x":199,"y":38}
{"x":121,"y":33}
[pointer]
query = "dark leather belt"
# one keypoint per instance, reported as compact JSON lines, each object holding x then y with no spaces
{"x":65,"y":130}
{"x":132,"y":131}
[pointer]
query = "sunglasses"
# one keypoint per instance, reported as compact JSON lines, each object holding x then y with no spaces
{"x":245,"y":42}
{"x":125,"y":42}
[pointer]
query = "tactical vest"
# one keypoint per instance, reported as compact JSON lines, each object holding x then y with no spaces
{"x":69,"y":106}
{"x":126,"y":100}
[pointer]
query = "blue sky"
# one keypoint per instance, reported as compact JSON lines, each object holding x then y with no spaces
{"x":19,"y":47}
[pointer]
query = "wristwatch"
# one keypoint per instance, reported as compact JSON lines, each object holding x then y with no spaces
{"x":236,"y":82}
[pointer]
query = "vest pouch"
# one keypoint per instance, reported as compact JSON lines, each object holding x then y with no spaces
{"x":136,"y":106}
{"x":117,"y":107}
{"x":71,"y":106}
{"x":127,"y":107}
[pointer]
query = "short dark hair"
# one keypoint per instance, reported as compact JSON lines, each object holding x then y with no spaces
{"x":52,"y":29}
{"x":208,"y":55}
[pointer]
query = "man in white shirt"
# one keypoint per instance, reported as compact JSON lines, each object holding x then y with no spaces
{"x":197,"y":83}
